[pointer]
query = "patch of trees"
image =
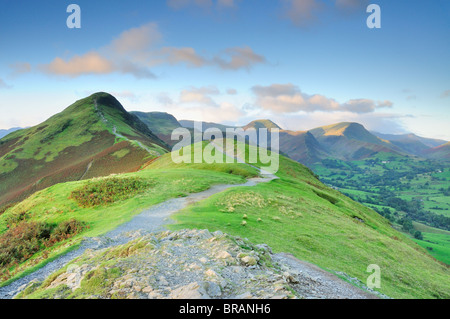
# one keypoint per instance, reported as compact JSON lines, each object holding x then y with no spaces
{"x":332,"y":163}
{"x":408,"y":226}
{"x":414,"y":210}
{"x":385,"y":212}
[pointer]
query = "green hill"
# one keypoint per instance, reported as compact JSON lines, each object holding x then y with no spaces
{"x":3,"y":133}
{"x":411,"y":143}
{"x":94,"y":136}
{"x":441,"y":152}
{"x":295,"y":213}
{"x":351,"y":141}
{"x":268,"y":124}
{"x":160,"y":123}
{"x":302,"y":147}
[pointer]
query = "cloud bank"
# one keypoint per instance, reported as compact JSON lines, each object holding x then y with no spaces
{"x":137,"y":50}
{"x":288,"y":98}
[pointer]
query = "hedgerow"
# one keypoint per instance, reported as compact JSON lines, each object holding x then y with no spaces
{"x":108,"y":190}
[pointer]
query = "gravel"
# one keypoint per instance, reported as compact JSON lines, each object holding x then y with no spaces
{"x":149,"y":221}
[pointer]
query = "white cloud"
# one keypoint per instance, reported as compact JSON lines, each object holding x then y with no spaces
{"x":238,"y":58}
{"x":202,"y":104}
{"x":164,"y":99}
{"x":136,"y":50}
{"x":93,"y":63}
{"x":183,"y":55}
{"x":199,"y":96}
{"x":301,"y":12}
{"x":380,"y":122}
{"x":136,"y":40}
{"x":288,"y":98}
{"x":223,"y":112}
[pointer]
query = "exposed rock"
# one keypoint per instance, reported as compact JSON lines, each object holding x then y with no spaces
{"x":189,"y":291}
{"x":249,"y":260}
{"x":223,"y":255}
{"x":190,"y":264}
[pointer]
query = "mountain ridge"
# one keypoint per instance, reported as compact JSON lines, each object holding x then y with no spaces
{"x":344,"y":141}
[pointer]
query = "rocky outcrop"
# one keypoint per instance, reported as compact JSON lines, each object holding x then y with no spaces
{"x":188,"y":264}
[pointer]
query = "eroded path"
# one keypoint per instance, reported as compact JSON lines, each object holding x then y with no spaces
{"x":310,"y":281}
{"x":149,"y":221}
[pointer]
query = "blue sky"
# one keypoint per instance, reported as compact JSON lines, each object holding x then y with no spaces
{"x":302,"y":63}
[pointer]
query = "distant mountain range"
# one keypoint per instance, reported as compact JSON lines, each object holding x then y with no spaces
{"x":3,"y":133}
{"x":411,"y":143}
{"x":438,"y":152}
{"x":96,"y":136}
{"x":345,"y":141}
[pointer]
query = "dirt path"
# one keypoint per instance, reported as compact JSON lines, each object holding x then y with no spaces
{"x":150,"y":220}
{"x":310,"y":281}
{"x":87,"y":170}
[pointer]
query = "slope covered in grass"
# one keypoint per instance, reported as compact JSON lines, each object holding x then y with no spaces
{"x":80,"y":142}
{"x":295,"y":213}
{"x":351,"y":141}
{"x":101,"y":205}
{"x":441,"y":152}
{"x":166,"y":162}
{"x":300,"y":215}
{"x":160,"y":123}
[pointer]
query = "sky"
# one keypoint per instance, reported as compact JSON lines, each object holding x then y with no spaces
{"x":301,"y":63}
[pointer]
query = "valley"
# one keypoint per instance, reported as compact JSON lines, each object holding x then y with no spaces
{"x":408,"y":191}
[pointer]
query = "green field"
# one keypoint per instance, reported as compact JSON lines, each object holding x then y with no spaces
{"x":437,"y":244}
{"x":397,"y":187}
{"x":436,"y":241}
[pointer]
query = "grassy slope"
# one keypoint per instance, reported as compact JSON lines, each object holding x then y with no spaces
{"x":60,"y":149}
{"x":158,"y":122}
{"x":350,"y":141}
{"x":162,"y":124}
{"x":297,"y":215}
{"x":441,"y":152}
{"x":53,"y":205}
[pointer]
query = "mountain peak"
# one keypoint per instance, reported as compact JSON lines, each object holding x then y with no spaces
{"x":348,"y":129}
{"x":106,"y":99}
{"x":257,"y":124}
